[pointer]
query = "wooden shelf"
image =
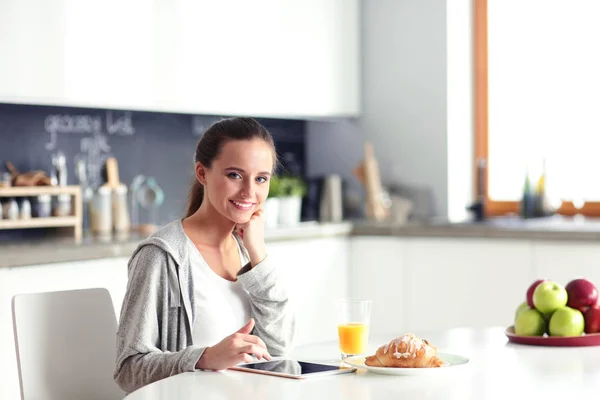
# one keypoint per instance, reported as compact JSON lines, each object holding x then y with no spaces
{"x":75,"y":221}
{"x":51,"y":222}
{"x":25,"y":191}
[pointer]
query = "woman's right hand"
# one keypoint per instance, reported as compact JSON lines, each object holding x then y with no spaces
{"x":234,"y":349}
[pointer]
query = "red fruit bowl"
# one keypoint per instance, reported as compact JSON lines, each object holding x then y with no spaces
{"x":588,"y":339}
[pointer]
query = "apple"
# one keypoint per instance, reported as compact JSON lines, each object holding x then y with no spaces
{"x":530,"y":290}
{"x":524,"y":306}
{"x":530,"y":322}
{"x":566,"y":321}
{"x":549,"y":296}
{"x":592,"y":319}
{"x":582,"y":294}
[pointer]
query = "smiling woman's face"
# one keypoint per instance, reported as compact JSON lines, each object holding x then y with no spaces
{"x":237,"y":183}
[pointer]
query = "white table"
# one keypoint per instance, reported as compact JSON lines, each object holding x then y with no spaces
{"x":497,"y":370}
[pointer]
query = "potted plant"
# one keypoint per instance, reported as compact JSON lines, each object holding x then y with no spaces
{"x":271,"y":204}
{"x":293,"y":189}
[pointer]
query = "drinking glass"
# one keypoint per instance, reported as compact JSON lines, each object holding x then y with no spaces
{"x":353,"y":317}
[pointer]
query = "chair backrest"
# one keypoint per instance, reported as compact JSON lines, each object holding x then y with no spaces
{"x":65,"y":343}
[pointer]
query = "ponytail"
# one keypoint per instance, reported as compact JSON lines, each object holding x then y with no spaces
{"x":195,"y":198}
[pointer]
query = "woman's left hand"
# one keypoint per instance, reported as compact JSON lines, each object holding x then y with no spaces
{"x":253,"y":235}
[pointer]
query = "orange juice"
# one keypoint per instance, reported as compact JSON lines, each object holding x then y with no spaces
{"x":353,"y":338}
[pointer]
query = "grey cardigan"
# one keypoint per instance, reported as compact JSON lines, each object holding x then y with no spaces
{"x":154,"y":338}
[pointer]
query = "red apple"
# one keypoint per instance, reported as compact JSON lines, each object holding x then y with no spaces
{"x":582,"y":293}
{"x":592,"y":319}
{"x":530,"y":291}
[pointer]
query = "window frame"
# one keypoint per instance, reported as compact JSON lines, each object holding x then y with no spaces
{"x":492,"y":207}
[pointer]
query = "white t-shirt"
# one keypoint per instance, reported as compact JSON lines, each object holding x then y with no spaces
{"x":222,"y":306}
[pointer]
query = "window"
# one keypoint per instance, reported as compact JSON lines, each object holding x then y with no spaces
{"x":537,"y":100}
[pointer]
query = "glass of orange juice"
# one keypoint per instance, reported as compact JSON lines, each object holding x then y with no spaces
{"x":353,"y":326}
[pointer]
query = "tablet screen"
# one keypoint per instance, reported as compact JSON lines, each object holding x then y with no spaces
{"x":291,"y":367}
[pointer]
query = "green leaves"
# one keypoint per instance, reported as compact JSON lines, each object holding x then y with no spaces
{"x":287,"y":186}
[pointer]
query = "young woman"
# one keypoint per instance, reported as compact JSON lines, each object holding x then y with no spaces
{"x":202,"y":292}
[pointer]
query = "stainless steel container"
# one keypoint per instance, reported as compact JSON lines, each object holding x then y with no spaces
{"x":101,"y":219}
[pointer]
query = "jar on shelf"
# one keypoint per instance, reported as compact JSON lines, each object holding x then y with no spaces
{"x":101,"y":211}
{"x":10,"y":209}
{"x":5,"y":179}
{"x":43,"y":206}
{"x":62,"y":207}
{"x":25,"y":209}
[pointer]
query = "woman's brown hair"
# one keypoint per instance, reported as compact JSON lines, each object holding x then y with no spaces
{"x":211,"y":143}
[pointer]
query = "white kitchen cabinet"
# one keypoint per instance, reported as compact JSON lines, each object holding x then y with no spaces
{"x":274,"y":58}
{"x":316,"y":272}
{"x":565,"y":261}
{"x":420,"y":284}
{"x":465,"y":282}
{"x":378,"y":273}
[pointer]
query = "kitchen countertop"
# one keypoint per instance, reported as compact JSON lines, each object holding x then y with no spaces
{"x":37,"y":251}
{"x":550,"y":228}
{"x":554,"y":228}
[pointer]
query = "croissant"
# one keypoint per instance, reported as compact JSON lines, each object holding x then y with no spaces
{"x":407,"y":351}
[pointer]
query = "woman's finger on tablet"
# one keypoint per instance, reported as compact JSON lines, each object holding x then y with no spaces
{"x":258,"y":341}
{"x":251,"y":348}
{"x":244,"y":358}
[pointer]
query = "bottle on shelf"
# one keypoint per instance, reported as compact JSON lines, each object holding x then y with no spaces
{"x":527,"y":203}
{"x":540,"y":193}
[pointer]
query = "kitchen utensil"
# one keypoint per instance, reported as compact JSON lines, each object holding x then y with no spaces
{"x":134,"y":188}
{"x":87,"y":193}
{"x":120,"y":213}
{"x":62,"y":203}
{"x":331,"y":199}
{"x":400,"y":209}
{"x":368,"y":174}
{"x":60,"y":168}
{"x":151,"y":197}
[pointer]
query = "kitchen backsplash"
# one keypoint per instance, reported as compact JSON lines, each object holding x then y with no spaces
{"x":158,"y":145}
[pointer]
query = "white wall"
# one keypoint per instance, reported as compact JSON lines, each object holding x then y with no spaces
{"x":417,"y":95}
{"x":404,"y":90}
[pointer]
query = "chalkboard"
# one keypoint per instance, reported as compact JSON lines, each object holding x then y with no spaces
{"x":159,"y":145}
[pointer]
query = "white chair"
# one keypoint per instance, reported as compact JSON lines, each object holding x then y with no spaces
{"x":65,"y":343}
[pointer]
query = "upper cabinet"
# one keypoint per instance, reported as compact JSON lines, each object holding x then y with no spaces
{"x":272,"y":58}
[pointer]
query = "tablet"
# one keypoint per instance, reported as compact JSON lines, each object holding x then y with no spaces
{"x":293,"y":369}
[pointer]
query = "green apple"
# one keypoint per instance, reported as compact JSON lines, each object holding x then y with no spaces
{"x":524,"y":306}
{"x":566,"y":321}
{"x":530,"y":322}
{"x":549,"y":296}
{"x":547,"y":316}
